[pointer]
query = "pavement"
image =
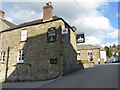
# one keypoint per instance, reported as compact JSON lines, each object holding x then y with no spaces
{"x":25,"y":84}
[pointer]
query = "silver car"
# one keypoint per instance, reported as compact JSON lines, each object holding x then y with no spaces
{"x":113,"y":59}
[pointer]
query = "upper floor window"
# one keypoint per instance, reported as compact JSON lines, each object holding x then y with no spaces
{"x":78,"y":53}
{"x":2,"y":56}
{"x":90,"y":53}
{"x":20,"y":56}
{"x":24,"y":35}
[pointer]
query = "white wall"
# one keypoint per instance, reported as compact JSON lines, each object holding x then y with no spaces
{"x":103,"y":55}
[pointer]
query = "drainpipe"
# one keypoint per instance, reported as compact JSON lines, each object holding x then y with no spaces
{"x":7,"y":63}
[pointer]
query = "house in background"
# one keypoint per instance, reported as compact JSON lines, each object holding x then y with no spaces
{"x":103,"y":55}
{"x":90,"y":53}
{"x":39,"y":50}
{"x":4,"y":24}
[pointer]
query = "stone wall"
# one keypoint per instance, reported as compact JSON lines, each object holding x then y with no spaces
{"x":70,"y":53}
{"x":3,"y":25}
{"x":38,"y":53}
{"x":84,"y":55}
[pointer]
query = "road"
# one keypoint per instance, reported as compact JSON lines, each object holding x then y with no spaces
{"x":103,"y":76}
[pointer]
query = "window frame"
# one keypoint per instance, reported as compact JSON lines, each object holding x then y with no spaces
{"x":78,"y":53}
{"x":20,"y":58}
{"x":2,"y":56}
{"x":89,"y":53}
{"x":24,"y":34}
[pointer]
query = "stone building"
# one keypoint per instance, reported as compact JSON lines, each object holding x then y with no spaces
{"x":90,"y":53}
{"x":4,"y":24}
{"x":38,"y":50}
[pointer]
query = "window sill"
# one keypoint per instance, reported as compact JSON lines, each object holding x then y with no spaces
{"x":20,"y":62}
{"x":23,"y":41}
{"x":2,"y":62}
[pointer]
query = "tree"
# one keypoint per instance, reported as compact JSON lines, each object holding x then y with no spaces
{"x":113,"y":46}
{"x":108,"y":51}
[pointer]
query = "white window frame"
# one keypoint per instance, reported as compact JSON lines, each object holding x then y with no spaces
{"x":20,"y":56}
{"x":78,"y":53}
{"x":89,"y":52}
{"x":24,"y":35}
{"x":2,"y":56}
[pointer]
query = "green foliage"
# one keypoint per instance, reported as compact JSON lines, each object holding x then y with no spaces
{"x":111,"y":49}
{"x":114,"y":46}
{"x":84,"y":62}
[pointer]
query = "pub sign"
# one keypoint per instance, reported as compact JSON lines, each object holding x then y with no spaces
{"x":80,"y":38}
{"x":51,"y":35}
{"x":65,"y":31}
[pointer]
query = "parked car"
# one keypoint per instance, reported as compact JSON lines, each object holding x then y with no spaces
{"x":113,"y":59}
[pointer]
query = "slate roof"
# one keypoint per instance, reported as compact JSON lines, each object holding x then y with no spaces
{"x":89,"y":47}
{"x":101,"y":48}
{"x":35,"y":22}
{"x":7,"y":25}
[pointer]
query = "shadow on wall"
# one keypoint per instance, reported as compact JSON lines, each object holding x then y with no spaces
{"x":71,"y":63}
{"x":37,"y":56}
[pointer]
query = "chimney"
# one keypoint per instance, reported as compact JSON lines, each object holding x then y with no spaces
{"x":2,"y":15}
{"x":47,"y":12}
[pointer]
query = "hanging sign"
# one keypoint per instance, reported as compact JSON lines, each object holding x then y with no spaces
{"x":65,"y":31}
{"x":51,"y":34}
{"x":80,"y":38}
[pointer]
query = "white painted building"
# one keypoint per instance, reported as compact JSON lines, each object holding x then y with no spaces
{"x":103,"y":55}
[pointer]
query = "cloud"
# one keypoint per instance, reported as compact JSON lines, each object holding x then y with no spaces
{"x":9,"y":19}
{"x":113,"y":34}
{"x":93,"y":40}
{"x":22,"y":12}
{"x":25,"y":16}
{"x":90,"y":23}
{"x":109,"y":44}
{"x":82,"y":14}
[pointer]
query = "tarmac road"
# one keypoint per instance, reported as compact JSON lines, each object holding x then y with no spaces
{"x":102,"y":76}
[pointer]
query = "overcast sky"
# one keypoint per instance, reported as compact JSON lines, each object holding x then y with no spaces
{"x":98,"y":19}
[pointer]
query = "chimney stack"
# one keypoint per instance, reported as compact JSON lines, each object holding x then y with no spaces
{"x":47,"y":12}
{"x":2,"y":15}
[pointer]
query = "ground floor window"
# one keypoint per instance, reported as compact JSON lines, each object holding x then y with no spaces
{"x":20,"y":56}
{"x":2,"y":56}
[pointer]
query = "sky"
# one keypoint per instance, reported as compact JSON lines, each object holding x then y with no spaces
{"x":97,"y":19}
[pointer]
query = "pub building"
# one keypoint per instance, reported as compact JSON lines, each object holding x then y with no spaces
{"x":38,"y":50}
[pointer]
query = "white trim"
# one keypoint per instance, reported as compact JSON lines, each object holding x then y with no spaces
{"x":78,"y":52}
{"x":24,"y":35}
{"x":19,"y":59}
{"x":2,"y":54}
